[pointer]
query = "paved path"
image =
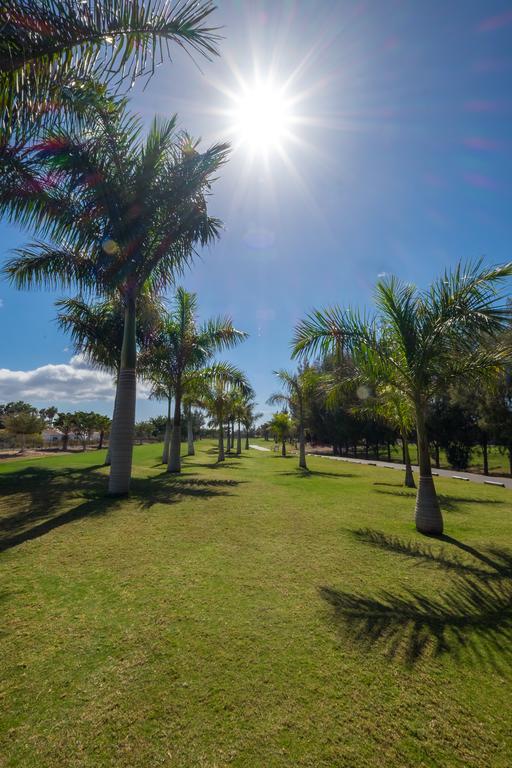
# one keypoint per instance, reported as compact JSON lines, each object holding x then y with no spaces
{"x":462,"y":476}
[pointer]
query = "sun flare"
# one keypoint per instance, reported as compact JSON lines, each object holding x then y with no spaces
{"x":261,"y":117}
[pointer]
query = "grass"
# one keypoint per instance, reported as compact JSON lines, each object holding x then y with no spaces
{"x":250,"y":615}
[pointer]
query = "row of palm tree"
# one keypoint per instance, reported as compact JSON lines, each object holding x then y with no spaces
{"x":179,"y":363}
{"x":416,"y":345}
{"x":115,"y":212}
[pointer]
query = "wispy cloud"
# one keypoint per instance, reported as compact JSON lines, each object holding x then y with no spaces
{"x":496,"y":22}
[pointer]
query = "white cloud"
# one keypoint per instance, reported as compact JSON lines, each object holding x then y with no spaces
{"x":71,"y":382}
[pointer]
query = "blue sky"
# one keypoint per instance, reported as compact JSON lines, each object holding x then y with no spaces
{"x":400,"y":162}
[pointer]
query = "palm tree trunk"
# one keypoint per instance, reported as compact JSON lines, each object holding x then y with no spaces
{"x":167,"y":435}
{"x":409,"y":477}
{"x":107,"y":461}
{"x":221,"y":455}
{"x":174,"y":464}
{"x":283,"y":448}
{"x":238,"y":440}
{"x":429,"y":519}
{"x":123,"y":421}
{"x":190,"y":432}
{"x":246,"y":437}
{"x":228,"y":437}
{"x":302,"y":447}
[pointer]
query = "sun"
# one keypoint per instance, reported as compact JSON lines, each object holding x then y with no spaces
{"x":261,"y":117}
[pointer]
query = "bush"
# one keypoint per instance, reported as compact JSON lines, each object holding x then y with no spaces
{"x":458,"y":455}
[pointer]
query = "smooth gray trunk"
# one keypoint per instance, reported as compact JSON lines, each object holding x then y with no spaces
{"x":167,"y":440}
{"x":167,"y":435}
{"x":221,"y":456}
{"x":246,"y":439}
{"x":190,"y":433}
{"x":174,"y":464}
{"x":121,"y":437}
{"x":429,"y":519}
{"x":123,"y":421}
{"x":302,"y":448}
{"x":409,"y":477}
{"x":238,"y":440}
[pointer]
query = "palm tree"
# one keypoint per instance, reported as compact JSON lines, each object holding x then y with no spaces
{"x":120,"y":212}
{"x":249,"y":417}
{"x":188,"y":402}
{"x":420,"y":342}
{"x":216,"y":396}
{"x":388,"y":405}
{"x":281,"y":427}
{"x":181,"y":353}
{"x":159,"y":391}
{"x":297,"y":387}
{"x":237,"y":408}
{"x":48,"y":47}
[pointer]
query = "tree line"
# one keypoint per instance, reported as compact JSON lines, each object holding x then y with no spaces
{"x":20,"y":420}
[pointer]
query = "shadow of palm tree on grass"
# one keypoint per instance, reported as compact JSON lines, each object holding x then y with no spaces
{"x":474,"y":615}
{"x":35,"y":500}
{"x":312,"y":473}
{"x":499,"y":562}
{"x":448,"y":502}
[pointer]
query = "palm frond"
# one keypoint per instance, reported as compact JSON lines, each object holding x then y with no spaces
{"x":42,"y":42}
{"x":41,"y":265}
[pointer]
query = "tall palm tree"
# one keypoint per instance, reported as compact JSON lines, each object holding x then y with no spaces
{"x":250,"y":416}
{"x":296,"y":387}
{"x":181,"y":350}
{"x":216,"y":397}
{"x":418,"y":343}
{"x":281,"y":427}
{"x":388,"y":405}
{"x":119,"y":211}
{"x":160,"y":390}
{"x":50,"y":46}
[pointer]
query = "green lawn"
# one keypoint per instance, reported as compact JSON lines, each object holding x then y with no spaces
{"x":249,"y":615}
